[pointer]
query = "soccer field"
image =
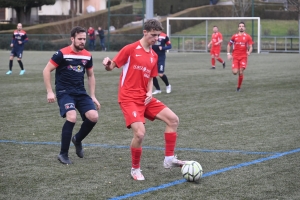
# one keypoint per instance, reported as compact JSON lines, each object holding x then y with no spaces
{"x":247,"y":142}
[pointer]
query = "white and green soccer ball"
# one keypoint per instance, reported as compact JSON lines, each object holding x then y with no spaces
{"x":192,"y":171}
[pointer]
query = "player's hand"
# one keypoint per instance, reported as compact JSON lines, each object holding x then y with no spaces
{"x":20,"y":42}
{"x":160,"y":47}
{"x":51,"y":97}
{"x":248,"y":53}
{"x":229,"y":57}
{"x":11,"y":45}
{"x":96,"y":102}
{"x":106,"y":62}
{"x":148,"y":98}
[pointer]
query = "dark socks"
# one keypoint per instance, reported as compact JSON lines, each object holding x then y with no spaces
{"x":21,"y":64}
{"x":85,"y":129}
{"x":155,"y":83}
{"x":10,"y":64}
{"x":66,"y":135}
{"x":165,"y":79}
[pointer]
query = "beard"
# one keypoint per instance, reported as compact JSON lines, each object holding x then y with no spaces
{"x":78,"y":47}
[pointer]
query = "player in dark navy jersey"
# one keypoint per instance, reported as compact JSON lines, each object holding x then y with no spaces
{"x":17,"y":44}
{"x":70,"y":65}
{"x":160,"y":47}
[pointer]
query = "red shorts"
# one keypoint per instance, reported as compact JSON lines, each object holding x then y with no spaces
{"x":137,"y":112}
{"x":215,"y":51}
{"x":238,"y":63}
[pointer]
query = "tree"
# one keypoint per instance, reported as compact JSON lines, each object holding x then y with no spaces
{"x":294,"y":6}
{"x":23,"y":7}
{"x":241,"y":7}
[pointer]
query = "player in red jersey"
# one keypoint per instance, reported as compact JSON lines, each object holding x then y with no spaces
{"x":215,"y":43}
{"x":242,"y":48}
{"x":139,"y":62}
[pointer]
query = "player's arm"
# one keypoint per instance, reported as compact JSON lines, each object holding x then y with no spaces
{"x":168,"y":44}
{"x":47,"y":81}
{"x":167,"y":47}
{"x":109,"y":64}
{"x":249,"y":50}
{"x":219,"y":42}
{"x":92,"y":86}
{"x":149,"y":91}
{"x":12,"y":40}
{"x":25,"y":39}
{"x":229,"y":56}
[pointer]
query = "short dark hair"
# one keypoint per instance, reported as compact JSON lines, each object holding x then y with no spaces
{"x":153,"y":24}
{"x":77,"y":30}
{"x":242,"y":23}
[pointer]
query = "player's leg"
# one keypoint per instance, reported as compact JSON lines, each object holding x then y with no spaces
{"x":157,"y":110}
{"x":10,"y":65}
{"x":217,"y":56}
{"x":89,"y":115}
{"x":235,"y":68}
{"x":156,"y":84}
{"x":213,"y":59}
{"x":161,"y":74}
{"x":134,"y":119}
{"x":67,"y":110}
{"x":103,"y":45}
{"x":242,"y":67}
{"x":19,"y":57}
{"x":138,"y":130}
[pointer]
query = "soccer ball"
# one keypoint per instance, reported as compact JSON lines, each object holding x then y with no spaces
{"x":192,"y":171}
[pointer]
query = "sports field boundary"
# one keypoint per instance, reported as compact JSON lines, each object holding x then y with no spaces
{"x":144,"y":147}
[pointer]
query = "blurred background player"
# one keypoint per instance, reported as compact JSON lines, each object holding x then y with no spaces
{"x":242,"y":48}
{"x":101,"y":35}
{"x":139,"y":64}
{"x":70,"y":65}
{"x":92,"y":37}
{"x":17,"y":44}
{"x":215,"y":43}
{"x":160,"y":47}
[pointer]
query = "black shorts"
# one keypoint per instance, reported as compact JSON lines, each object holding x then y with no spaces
{"x":81,"y":102}
{"x":161,"y":66}
{"x":16,"y":53}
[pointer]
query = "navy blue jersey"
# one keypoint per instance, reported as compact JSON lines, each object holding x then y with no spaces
{"x":164,"y":42}
{"x":70,"y":70}
{"x":19,"y":36}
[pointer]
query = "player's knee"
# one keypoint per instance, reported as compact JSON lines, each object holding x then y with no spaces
{"x":71,"y":116}
{"x":161,"y":75}
{"x":173,"y":121}
{"x":92,"y":115}
{"x":139,"y":135}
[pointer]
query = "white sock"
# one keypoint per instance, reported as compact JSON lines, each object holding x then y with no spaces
{"x":169,"y":157}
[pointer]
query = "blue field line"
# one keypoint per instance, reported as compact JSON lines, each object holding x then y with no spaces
{"x":144,"y":147}
{"x":163,"y":186}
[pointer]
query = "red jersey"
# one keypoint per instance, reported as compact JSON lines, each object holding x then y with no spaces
{"x":138,"y":66}
{"x":216,"y":37}
{"x":91,"y":33}
{"x":240,"y":44}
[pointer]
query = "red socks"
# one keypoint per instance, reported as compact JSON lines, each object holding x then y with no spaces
{"x":220,"y":60}
{"x":136,"y":154}
{"x":213,"y":62}
{"x":240,"y":80}
{"x":170,"y":143}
